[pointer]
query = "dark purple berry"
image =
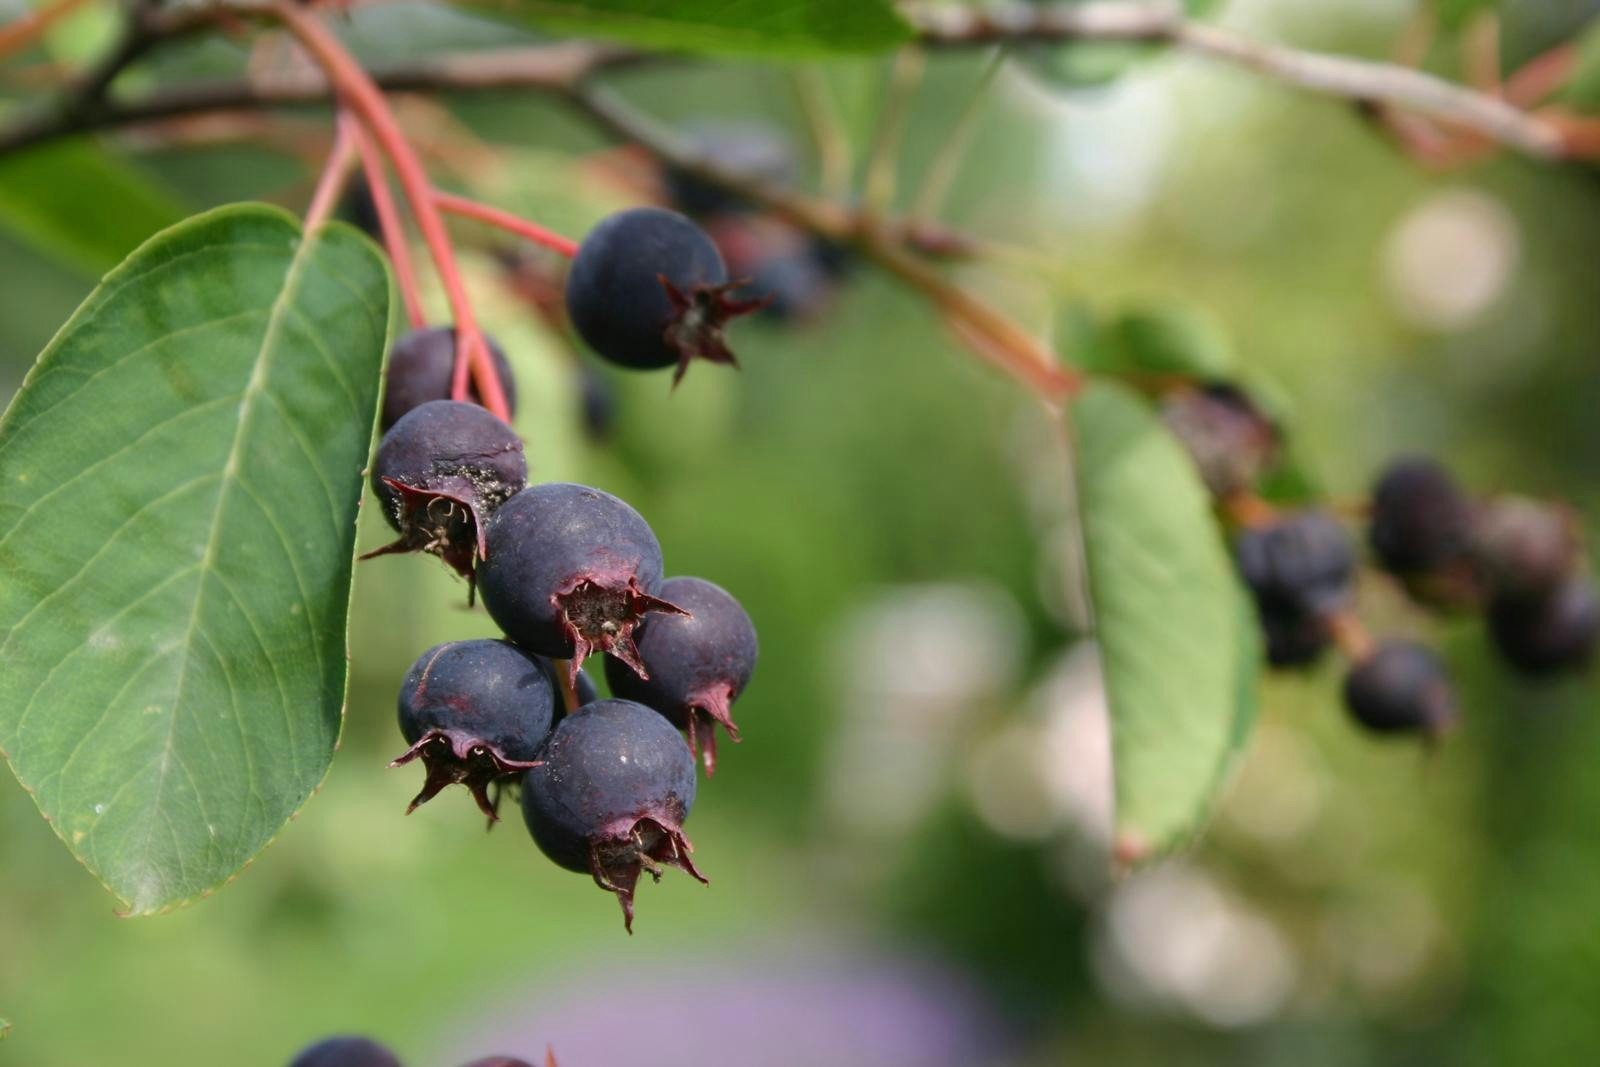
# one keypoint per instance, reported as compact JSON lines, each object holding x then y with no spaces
{"x":475,"y":712}
{"x":1421,"y":521}
{"x":698,"y":663}
{"x":571,"y":571}
{"x":345,"y":1052}
{"x":439,"y":473}
{"x":610,"y":800}
{"x":421,"y":366}
{"x":1303,"y":561}
{"x":1295,"y":638}
{"x":1400,"y":688}
{"x":1524,"y":549}
{"x":1229,"y":438}
{"x":648,"y":289}
{"x":1549,"y":634}
{"x":754,"y":149}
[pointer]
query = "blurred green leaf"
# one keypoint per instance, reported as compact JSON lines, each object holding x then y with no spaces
{"x":46,"y":196}
{"x":1583,"y":86}
{"x":1453,"y":14}
{"x":1168,"y":620}
{"x":179,"y":481}
{"x":1171,"y":337}
{"x":767,"y":27}
{"x":5,"y":1028}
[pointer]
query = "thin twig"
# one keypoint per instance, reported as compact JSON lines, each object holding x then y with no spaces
{"x":828,"y":134}
{"x":1352,"y":79}
{"x":883,"y":155}
{"x":941,"y":173}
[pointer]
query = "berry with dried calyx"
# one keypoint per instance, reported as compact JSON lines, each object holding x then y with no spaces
{"x":1421,"y":520}
{"x":345,"y":1052}
{"x":610,"y":800}
{"x":1524,"y":549}
{"x":439,"y":473}
{"x":571,"y":570}
{"x":1550,"y":634}
{"x":421,"y":366}
{"x":698,"y":664}
{"x":475,"y":712}
{"x":648,"y":289}
{"x":1400,"y":688}
{"x":1230,"y":439}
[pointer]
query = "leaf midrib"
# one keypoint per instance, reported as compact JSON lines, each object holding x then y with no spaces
{"x":247,"y":407}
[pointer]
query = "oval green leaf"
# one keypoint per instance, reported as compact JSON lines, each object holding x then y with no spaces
{"x":1179,"y":655}
{"x":179,"y":481}
{"x":759,"y":27}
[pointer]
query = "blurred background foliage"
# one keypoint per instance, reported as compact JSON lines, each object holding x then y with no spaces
{"x":908,"y":852}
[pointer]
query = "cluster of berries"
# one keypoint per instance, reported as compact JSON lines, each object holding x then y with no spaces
{"x":365,"y":1052}
{"x":799,"y":272}
{"x":1518,"y":558}
{"x":566,"y":571}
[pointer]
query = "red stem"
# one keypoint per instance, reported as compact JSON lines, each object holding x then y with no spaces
{"x":17,"y":35}
{"x":394,"y":235}
{"x":357,"y":89}
{"x":532,"y":231}
{"x":335,"y":175}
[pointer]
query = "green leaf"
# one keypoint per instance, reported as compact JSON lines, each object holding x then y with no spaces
{"x":46,"y":192}
{"x":764,"y":27}
{"x":179,"y":480}
{"x":1177,"y":650}
{"x":1166,"y":338}
{"x":5,"y":1028}
{"x":1454,"y":14}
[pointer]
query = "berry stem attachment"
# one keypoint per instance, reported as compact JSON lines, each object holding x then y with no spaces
{"x":505,"y":220}
{"x":394,"y":235}
{"x":335,"y":175}
{"x":569,"y":684}
{"x":357,"y":88}
{"x":1350,"y":634}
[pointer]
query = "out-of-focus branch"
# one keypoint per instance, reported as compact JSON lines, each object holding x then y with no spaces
{"x":1361,"y":80}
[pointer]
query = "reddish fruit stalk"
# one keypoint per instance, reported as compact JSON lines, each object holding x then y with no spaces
{"x":17,"y":35}
{"x":335,"y":175}
{"x":394,"y":235}
{"x":532,"y":231}
{"x":357,"y":88}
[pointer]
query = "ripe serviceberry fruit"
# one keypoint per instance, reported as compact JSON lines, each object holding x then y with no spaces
{"x":754,"y":149}
{"x":597,"y":403}
{"x":439,"y":473}
{"x":421,"y":365}
{"x":1524,"y":549}
{"x":1303,"y":560}
{"x":648,"y":289}
{"x":610,"y":800}
{"x":1295,"y":638}
{"x":571,"y":570}
{"x":698,"y":663}
{"x":1549,"y":634}
{"x":1421,"y":521}
{"x":345,"y":1052}
{"x":474,"y":712}
{"x":1400,"y":688}
{"x":1231,"y":441}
